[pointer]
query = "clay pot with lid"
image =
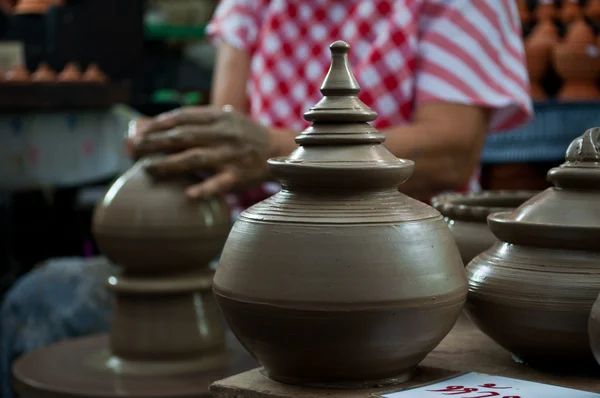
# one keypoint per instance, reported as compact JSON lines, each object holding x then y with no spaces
{"x":570,"y":11}
{"x":466,"y":215}
{"x":545,"y":10}
{"x":532,"y":292}
{"x":339,"y":279}
{"x":577,"y":61}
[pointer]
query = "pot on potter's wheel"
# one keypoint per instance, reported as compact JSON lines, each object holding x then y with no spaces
{"x":339,"y":279}
{"x":532,"y":292}
{"x":466,"y":215}
{"x":167,"y":337}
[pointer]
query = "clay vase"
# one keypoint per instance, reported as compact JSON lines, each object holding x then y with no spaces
{"x":164,"y":242}
{"x":70,"y":74}
{"x":532,"y":291}
{"x":43,"y":74}
{"x":466,"y":215}
{"x":545,"y":10}
{"x":18,"y":74}
{"x":94,"y":74}
{"x":592,"y":11}
{"x":357,"y":281}
{"x":570,"y":11}
{"x":538,"y":51}
{"x":577,"y":60}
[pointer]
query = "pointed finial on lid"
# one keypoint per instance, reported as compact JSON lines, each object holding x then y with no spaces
{"x":585,"y":148}
{"x":340,"y":79}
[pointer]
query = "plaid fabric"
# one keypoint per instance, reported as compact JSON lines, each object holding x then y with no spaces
{"x":405,"y":53}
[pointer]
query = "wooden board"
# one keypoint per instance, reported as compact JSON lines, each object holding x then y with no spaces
{"x":465,"y":349}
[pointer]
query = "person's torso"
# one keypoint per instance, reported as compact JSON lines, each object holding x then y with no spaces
{"x":292,"y":57}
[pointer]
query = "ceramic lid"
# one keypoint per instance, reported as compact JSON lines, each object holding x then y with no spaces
{"x":341,"y":149}
{"x":567,"y":215}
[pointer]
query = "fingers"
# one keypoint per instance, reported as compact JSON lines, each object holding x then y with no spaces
{"x":192,"y":160}
{"x":179,"y":138}
{"x":178,"y":117}
{"x":220,"y":183}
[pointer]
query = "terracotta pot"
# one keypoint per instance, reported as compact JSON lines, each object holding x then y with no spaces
{"x":43,"y":74}
{"x":358,"y":281}
{"x":538,"y":51}
{"x":532,"y":292}
{"x":18,"y":74}
{"x":570,"y":11}
{"x":94,"y":74}
{"x":545,"y":10}
{"x":466,"y":215}
{"x":32,"y":6}
{"x":165,"y":243}
{"x":70,"y":74}
{"x":592,"y":11}
{"x":524,"y":13}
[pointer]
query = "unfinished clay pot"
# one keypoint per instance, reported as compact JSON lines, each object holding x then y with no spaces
{"x":94,"y":74}
{"x":545,"y":10}
{"x":538,"y":51}
{"x":18,"y":74}
{"x":577,"y":61}
{"x":43,"y":74}
{"x":466,"y":215}
{"x":532,"y":292}
{"x":357,"y":281}
{"x":70,"y":74}
{"x":570,"y":11}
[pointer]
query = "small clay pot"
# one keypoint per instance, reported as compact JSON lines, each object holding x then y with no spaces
{"x":357,"y":281}
{"x":592,"y":11}
{"x":524,"y":13}
{"x":577,"y":62}
{"x":538,"y":51}
{"x":18,"y":74}
{"x":466,"y":215}
{"x":533,"y":290}
{"x":546,"y":10}
{"x":94,"y":74}
{"x":570,"y":11}
{"x":43,"y":74}
{"x":594,"y":329}
{"x":32,"y":6}
{"x":70,"y":74}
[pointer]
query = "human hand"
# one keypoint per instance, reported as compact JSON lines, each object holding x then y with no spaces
{"x":201,"y":139}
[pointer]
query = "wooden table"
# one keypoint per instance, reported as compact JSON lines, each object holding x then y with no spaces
{"x":465,"y":349}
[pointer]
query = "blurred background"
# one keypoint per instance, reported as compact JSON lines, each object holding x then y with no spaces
{"x":74,"y":72}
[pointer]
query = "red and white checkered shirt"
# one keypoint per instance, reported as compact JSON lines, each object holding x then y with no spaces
{"x":404,"y":53}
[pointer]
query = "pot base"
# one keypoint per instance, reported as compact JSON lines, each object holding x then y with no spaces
{"x":390,"y":381}
{"x":81,"y":368}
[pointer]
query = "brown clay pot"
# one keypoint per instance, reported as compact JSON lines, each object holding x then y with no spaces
{"x":32,"y":6}
{"x":570,"y":11}
{"x":466,"y":215}
{"x":43,"y":74}
{"x":592,"y":11}
{"x":70,"y":74}
{"x":524,"y":13}
{"x":94,"y":74}
{"x":164,"y":242}
{"x":532,"y":292}
{"x":545,"y":10}
{"x":18,"y":74}
{"x":339,"y":279}
{"x":577,"y":61}
{"x":538,"y":51}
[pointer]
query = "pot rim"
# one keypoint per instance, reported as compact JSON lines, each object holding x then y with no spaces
{"x":449,"y":203}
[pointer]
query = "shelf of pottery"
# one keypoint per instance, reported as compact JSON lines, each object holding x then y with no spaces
{"x":561,"y":41}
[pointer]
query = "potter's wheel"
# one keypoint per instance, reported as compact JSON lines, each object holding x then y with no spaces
{"x":83,"y":367}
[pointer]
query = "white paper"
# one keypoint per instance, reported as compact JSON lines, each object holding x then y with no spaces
{"x":479,"y":385}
